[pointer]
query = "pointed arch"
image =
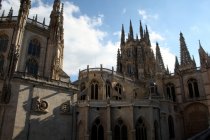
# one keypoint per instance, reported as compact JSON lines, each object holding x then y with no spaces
{"x":4,"y":41}
{"x":156,"y":130}
{"x":141,"y":129}
{"x":34,"y":48}
{"x":94,"y":89}
{"x":120,"y":130}
{"x":97,"y":130}
{"x":108,"y":89}
{"x":193,"y":88}
{"x":118,"y":89}
{"x":171,"y":127}
{"x":32,"y":67}
{"x":1,"y":64}
{"x":170,"y":91}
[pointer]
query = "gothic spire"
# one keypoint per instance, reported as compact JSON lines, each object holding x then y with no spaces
{"x":0,"y":5}
{"x":203,"y":56}
{"x":122,"y":36}
{"x":54,"y":16}
{"x":118,"y":60}
{"x":176,"y":67}
{"x":159,"y":61}
{"x":184,"y":53}
{"x":147,"y":37}
{"x":10,"y":12}
{"x":130,"y":36}
{"x":141,"y":30}
{"x":3,"y":13}
{"x":43,"y":22}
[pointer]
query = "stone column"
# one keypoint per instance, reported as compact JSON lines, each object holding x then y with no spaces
{"x":133,"y":130}
{"x":87,"y":135}
{"x":109,"y":131}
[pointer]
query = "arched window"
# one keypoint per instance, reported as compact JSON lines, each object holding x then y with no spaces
{"x":34,"y":48}
{"x":118,"y":89}
{"x":82,"y":88}
{"x":170,"y":89}
{"x":156,"y":130}
{"x":171,"y":127}
{"x":32,"y":67}
{"x":193,"y":88}
{"x":120,"y":131}
{"x":1,"y":64}
{"x":108,"y":89}
{"x":4,"y":40}
{"x":94,"y":90}
{"x":153,"y":88}
{"x":141,"y":130}
{"x":97,"y":131}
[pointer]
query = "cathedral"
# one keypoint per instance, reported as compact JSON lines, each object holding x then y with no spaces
{"x":141,"y":100}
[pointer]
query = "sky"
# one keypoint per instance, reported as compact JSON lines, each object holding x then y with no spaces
{"x":92,"y":28}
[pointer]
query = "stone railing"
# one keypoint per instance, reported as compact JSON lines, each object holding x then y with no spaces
{"x":204,"y":135}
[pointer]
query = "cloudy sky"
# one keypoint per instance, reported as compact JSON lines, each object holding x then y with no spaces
{"x":92,"y":27}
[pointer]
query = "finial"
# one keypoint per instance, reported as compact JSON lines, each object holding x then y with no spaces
{"x":43,"y":21}
{"x":200,"y":44}
{"x":36,"y":18}
{"x":3,"y":13}
{"x":10,"y":12}
{"x":131,"y":31}
{"x":141,"y":30}
{"x":122,"y":35}
{"x":62,"y":8}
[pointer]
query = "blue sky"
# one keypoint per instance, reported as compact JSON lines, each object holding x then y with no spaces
{"x":92,"y":27}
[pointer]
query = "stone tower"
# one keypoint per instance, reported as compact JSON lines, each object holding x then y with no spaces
{"x":135,"y":57}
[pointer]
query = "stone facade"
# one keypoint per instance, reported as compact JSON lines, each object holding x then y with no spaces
{"x":141,"y":100}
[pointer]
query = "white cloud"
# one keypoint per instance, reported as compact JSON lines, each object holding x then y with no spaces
{"x":83,"y":40}
{"x":124,"y":11}
{"x":145,"y":16}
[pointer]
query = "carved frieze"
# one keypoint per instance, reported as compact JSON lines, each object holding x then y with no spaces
{"x":65,"y":108}
{"x":39,"y":105}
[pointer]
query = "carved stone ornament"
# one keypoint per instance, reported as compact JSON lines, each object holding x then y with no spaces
{"x":65,"y":108}
{"x":39,"y":105}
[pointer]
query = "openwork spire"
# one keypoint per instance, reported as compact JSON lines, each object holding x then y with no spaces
{"x":184,"y":53}
{"x":176,"y":66}
{"x":159,"y":61}
{"x":147,"y":37}
{"x":203,"y":57}
{"x":122,"y":36}
{"x":141,"y":31}
{"x":130,"y":36}
{"x":118,"y":61}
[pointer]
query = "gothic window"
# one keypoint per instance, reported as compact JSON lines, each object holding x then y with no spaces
{"x":118,"y":89}
{"x":97,"y":131}
{"x":153,"y":88}
{"x":193,"y":88}
{"x":129,"y":52}
{"x":170,"y":90}
{"x":34,"y":48}
{"x":120,"y":131}
{"x":4,"y":40}
{"x":108,"y":89}
{"x":129,"y":68}
{"x":141,"y":130}
{"x":32,"y":67}
{"x":94,"y":90}
{"x":156,"y":130}
{"x":171,"y":127}
{"x":120,"y":67}
{"x":82,"y":88}
{"x":1,"y":64}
